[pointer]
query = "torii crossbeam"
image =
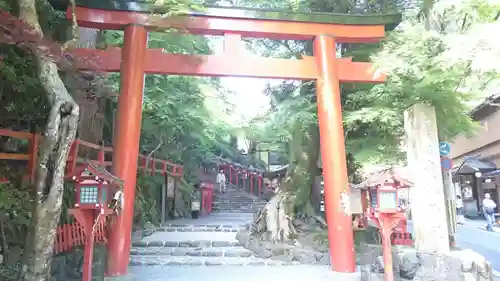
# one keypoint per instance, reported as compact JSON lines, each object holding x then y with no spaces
{"x":135,"y":60}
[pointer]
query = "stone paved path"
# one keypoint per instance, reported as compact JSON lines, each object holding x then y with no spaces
{"x":206,"y":249}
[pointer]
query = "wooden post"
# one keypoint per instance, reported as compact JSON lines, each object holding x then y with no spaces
{"x":33,"y":156}
{"x":427,"y":194}
{"x":259,"y":183}
{"x":164,"y":199}
{"x":251,"y":183}
{"x":88,"y":253}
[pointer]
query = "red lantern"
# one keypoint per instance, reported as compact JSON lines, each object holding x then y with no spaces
{"x":94,"y":187}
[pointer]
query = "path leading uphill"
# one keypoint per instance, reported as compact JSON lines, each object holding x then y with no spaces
{"x":206,"y":249}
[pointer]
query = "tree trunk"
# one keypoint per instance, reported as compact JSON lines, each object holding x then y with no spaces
{"x":49,"y":182}
{"x":295,"y":195}
{"x":89,"y":93}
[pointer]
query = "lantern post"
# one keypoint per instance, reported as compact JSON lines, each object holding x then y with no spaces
{"x":388,"y":214}
{"x":94,"y":184}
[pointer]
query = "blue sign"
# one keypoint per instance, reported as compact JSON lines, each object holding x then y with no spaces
{"x":446,"y":163}
{"x":444,"y":148}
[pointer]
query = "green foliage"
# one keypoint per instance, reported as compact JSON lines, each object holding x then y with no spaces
{"x":13,"y":206}
{"x":146,"y":207}
{"x":451,"y":69}
{"x":174,"y":7}
{"x":176,"y":122}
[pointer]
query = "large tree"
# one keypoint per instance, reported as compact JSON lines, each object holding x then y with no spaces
{"x":422,"y":66}
{"x":39,"y":85}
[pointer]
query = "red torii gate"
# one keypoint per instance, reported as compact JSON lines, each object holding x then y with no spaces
{"x":135,"y":60}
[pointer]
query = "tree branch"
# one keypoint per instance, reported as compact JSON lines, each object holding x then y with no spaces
{"x":153,"y":151}
{"x":157,"y":147}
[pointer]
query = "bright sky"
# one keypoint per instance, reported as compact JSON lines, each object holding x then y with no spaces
{"x":249,"y":98}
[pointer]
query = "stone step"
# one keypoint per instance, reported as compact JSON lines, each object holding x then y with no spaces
{"x":185,"y":244}
{"x":204,"y":261}
{"x":210,"y":226}
{"x":229,"y":208}
{"x":237,"y":203}
{"x":192,"y":252}
{"x":232,"y":197}
{"x":240,"y":201}
{"x":198,"y":229}
{"x":241,"y":273}
{"x":246,"y":211}
{"x":237,"y":206}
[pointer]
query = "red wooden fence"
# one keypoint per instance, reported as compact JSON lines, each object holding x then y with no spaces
{"x":149,"y":165}
{"x":71,"y":235}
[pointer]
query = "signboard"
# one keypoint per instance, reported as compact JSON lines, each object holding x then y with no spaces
{"x":444,"y":148}
{"x":170,"y":187}
{"x":446,"y":163}
{"x":195,"y":206}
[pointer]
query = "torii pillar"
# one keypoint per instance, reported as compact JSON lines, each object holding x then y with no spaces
{"x":126,"y":142}
{"x":333,"y":155}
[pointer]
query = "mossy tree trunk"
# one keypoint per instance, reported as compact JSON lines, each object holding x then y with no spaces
{"x":59,"y":133}
{"x":297,"y":195}
{"x":90,"y":95}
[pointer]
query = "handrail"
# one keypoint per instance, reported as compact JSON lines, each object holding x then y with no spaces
{"x":167,"y":167}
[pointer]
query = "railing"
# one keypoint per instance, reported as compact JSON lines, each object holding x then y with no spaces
{"x":30,"y":156}
{"x":207,"y":196}
{"x":71,"y":235}
{"x":147,"y":164}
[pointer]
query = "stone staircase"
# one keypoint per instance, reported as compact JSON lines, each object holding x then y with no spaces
{"x":236,"y":201}
{"x":206,"y":249}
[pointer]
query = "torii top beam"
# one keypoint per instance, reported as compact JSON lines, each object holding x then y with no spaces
{"x":256,"y":23}
{"x":234,"y":24}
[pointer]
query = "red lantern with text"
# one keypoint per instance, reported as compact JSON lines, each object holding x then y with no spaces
{"x":94,"y":189}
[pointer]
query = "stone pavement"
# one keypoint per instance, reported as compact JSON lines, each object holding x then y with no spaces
{"x":207,"y":249}
{"x":471,"y":236}
{"x":481,"y":224}
{"x":247,"y":273}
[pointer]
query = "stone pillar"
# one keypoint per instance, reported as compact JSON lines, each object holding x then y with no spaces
{"x":427,"y":193}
